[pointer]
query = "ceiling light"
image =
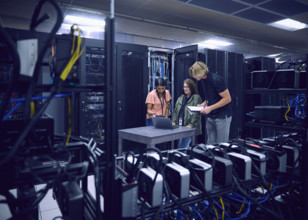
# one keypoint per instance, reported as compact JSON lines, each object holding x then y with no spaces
{"x":65,"y":28}
{"x":274,"y":55}
{"x":214,"y":44}
{"x":82,"y":20}
{"x":289,"y":24}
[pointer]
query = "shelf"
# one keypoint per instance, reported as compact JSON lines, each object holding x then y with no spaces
{"x":257,"y":91}
{"x":274,"y":126}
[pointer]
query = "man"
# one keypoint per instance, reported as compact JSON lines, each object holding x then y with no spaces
{"x":216,"y":104}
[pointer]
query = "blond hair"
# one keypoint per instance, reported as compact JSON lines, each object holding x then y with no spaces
{"x":198,"y":69}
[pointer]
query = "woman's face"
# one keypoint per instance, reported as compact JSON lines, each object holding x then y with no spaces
{"x":186,"y":89}
{"x":160,"y":89}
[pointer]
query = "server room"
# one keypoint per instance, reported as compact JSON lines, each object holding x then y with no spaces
{"x":153,"y":109}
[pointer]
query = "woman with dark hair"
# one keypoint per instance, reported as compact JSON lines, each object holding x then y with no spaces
{"x":157,"y":101}
{"x":181,"y":116}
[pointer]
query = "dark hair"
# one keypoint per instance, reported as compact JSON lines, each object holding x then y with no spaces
{"x":160,"y":82}
{"x":192,"y":86}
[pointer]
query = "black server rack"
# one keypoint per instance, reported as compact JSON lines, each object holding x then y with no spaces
{"x":92,"y":103}
{"x":230,"y":66}
{"x":131,"y":88}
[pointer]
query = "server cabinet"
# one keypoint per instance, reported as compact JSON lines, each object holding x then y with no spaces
{"x":230,"y":66}
{"x":184,"y":58}
{"x":131,"y":89}
{"x":91,"y":115}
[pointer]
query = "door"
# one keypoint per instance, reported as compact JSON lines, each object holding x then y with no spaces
{"x":132,"y":81}
{"x":184,"y":58}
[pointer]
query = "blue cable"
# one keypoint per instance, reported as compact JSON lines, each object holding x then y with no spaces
{"x":153,"y":74}
{"x":299,"y":103}
{"x":11,"y":111}
{"x":40,"y":97}
{"x":20,"y":100}
{"x":198,"y":213}
{"x":179,"y":214}
{"x":162,"y":69}
{"x":228,"y":216}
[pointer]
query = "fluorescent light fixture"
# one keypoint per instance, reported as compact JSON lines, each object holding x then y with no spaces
{"x":289,"y":24}
{"x":84,"y":21}
{"x":274,"y":55}
{"x":83,"y":28}
{"x":214,"y":43}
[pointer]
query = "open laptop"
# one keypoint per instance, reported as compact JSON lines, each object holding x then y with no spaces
{"x":164,"y":123}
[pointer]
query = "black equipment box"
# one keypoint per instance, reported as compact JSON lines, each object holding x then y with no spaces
{"x":270,"y":113}
{"x":41,"y":135}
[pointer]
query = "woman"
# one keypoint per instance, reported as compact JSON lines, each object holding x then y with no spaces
{"x":157,"y":102}
{"x":181,"y":116}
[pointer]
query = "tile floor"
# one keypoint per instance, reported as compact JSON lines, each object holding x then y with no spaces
{"x":48,"y":207}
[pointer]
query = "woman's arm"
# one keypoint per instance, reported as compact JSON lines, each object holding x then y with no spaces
{"x":149,"y":109}
{"x":167,"y":110}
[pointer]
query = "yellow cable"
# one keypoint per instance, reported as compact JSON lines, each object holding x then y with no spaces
{"x":285,"y":115}
{"x":75,"y":55}
{"x":242,"y":206}
{"x":32,"y":104}
{"x":300,"y":67}
{"x":215,"y":212}
{"x":223,"y":208}
{"x":69,"y":121}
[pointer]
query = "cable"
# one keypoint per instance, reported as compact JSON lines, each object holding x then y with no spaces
{"x":42,"y":52}
{"x":69,"y":120}
{"x":20,"y":100}
{"x":223,"y":207}
{"x":27,"y":129}
{"x":198,"y":213}
{"x":75,"y":53}
{"x":11,"y":111}
{"x":12,"y":80}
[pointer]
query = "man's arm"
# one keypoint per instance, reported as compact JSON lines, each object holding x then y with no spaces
{"x":225,"y":99}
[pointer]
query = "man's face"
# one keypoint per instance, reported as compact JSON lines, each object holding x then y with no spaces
{"x":198,"y":78}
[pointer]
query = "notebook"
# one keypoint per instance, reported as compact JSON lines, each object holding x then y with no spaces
{"x":164,"y":123}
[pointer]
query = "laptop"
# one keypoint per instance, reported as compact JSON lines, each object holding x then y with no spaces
{"x":163,"y":123}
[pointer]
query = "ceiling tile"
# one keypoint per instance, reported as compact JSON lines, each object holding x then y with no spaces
{"x":259,"y":16}
{"x":253,"y":2}
{"x":224,"y":6}
{"x":286,"y":7}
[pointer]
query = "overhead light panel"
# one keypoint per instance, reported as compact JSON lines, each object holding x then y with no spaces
{"x":84,"y":21}
{"x":274,"y":55}
{"x":214,"y":44}
{"x":289,"y":24}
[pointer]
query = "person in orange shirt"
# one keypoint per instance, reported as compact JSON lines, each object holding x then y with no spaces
{"x":157,"y":102}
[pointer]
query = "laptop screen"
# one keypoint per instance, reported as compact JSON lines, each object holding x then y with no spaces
{"x":164,"y":123}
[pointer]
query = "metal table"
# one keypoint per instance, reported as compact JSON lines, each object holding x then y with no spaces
{"x":150,"y":135}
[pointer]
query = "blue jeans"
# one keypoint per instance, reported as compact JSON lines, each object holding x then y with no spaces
{"x":184,"y":142}
{"x":149,"y":122}
{"x":218,"y":130}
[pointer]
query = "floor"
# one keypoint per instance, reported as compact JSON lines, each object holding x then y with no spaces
{"x":48,"y":207}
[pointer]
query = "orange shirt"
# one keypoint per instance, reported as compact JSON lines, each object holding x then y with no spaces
{"x":157,"y":103}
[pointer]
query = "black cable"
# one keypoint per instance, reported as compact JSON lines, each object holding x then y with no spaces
{"x":44,"y":48}
{"x":13,"y":79}
{"x":253,"y":200}
{"x":29,"y":127}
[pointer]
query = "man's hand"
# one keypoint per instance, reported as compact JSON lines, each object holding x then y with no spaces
{"x":173,"y":123}
{"x":188,"y":126}
{"x":206,"y":110}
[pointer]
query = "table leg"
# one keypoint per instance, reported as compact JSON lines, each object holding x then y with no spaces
{"x":193,"y":140}
{"x":120,"y":146}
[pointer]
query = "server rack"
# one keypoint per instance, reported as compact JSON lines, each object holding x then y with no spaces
{"x":230,"y":66}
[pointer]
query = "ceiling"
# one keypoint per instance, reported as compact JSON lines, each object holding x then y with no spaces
{"x":177,"y":23}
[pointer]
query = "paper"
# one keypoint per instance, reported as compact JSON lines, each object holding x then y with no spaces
{"x":194,"y":109}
